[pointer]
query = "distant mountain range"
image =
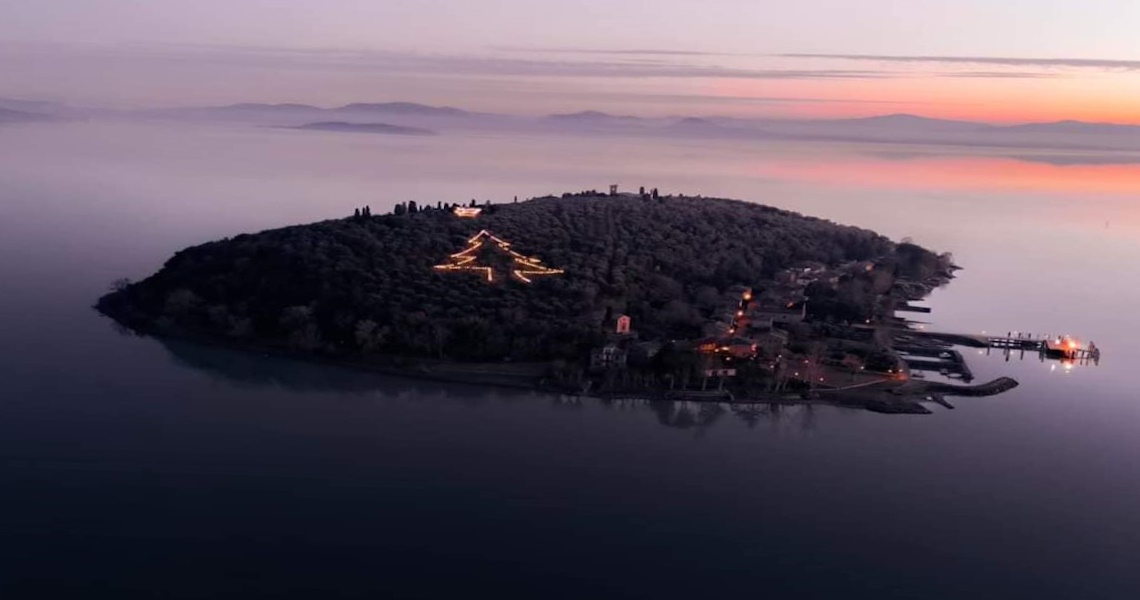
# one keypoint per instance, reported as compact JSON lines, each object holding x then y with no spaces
{"x":364,"y":128}
{"x":12,"y":115}
{"x":358,"y":108}
{"x":17,"y":116}
{"x":39,"y":111}
{"x":912,"y":129}
{"x":592,"y":118}
{"x":405,"y":108}
{"x":886,"y":129}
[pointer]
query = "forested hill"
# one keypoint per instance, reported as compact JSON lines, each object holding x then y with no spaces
{"x":367,"y":285}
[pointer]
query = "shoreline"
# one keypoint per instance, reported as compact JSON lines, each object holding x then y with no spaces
{"x":853,"y":362}
{"x":901,"y":398}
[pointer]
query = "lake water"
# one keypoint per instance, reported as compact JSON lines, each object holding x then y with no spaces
{"x":132,"y":466}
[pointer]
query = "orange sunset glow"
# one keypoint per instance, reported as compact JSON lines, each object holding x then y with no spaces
{"x":959,"y":172}
{"x":1093,"y":97}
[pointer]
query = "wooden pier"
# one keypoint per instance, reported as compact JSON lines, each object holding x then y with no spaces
{"x":1048,"y":346}
{"x":1063,"y":347}
{"x":941,"y":359}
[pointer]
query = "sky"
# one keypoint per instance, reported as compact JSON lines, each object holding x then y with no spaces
{"x":989,"y":60}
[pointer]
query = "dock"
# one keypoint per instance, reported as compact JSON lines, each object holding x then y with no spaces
{"x":1052,"y":347}
{"x":946,"y":361}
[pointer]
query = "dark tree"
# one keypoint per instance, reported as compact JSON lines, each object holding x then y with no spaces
{"x":337,"y":288}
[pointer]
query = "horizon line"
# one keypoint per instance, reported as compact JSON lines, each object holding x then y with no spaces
{"x":446,"y":107}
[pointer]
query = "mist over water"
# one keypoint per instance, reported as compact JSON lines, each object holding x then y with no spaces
{"x":130,"y":464}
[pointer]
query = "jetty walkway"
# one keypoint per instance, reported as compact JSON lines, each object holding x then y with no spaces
{"x":1050,"y":346}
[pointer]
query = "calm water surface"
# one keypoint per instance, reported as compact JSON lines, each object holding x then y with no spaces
{"x":136,"y":467}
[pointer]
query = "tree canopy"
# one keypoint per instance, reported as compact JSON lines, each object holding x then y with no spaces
{"x":366,"y":284}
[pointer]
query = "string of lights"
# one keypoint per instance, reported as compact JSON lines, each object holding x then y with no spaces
{"x":526,"y":268}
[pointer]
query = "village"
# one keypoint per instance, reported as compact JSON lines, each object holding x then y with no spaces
{"x":758,"y":342}
{"x":764,"y":347}
{"x":809,"y":332}
{"x":812,"y":330}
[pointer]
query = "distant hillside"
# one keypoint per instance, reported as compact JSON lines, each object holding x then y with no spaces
{"x":255,"y":107}
{"x":595,"y":122}
{"x":904,"y":123}
{"x":19,"y":116}
{"x":883,"y":129}
{"x":699,"y":126}
{"x":259,"y":112}
{"x":42,"y":107}
{"x":403,"y":108}
{"x":591,"y":116}
{"x":382,"y":128}
{"x":1076,"y":128}
{"x":365,"y":285}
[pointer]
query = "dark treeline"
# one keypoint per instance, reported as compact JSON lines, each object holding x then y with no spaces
{"x":365,"y":285}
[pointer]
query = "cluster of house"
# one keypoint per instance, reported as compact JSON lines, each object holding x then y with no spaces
{"x":747,"y":325}
{"x":623,"y":348}
{"x":750,"y":325}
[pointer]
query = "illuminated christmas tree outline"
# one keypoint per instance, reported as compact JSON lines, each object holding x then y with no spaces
{"x":525,"y":267}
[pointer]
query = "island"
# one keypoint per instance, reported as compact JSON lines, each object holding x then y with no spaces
{"x":612,"y":294}
{"x":381,"y":128}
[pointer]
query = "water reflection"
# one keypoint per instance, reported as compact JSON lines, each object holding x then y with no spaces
{"x":924,"y":169}
{"x":246,"y":370}
{"x":249,"y":370}
{"x":702,"y":415}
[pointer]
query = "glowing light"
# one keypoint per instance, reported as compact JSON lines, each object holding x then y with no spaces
{"x":467,"y":212}
{"x":475,"y":246}
{"x":528,"y":267}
